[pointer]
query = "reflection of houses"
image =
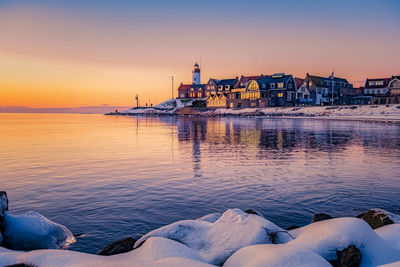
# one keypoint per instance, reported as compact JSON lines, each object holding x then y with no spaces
{"x":194,"y":90}
{"x":217,"y":92}
{"x":320,"y":89}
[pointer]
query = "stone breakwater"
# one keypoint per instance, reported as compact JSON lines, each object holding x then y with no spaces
{"x":235,"y":238}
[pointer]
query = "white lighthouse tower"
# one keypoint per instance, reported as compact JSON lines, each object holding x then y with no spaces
{"x":196,"y":74}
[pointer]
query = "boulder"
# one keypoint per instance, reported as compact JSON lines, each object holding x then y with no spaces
{"x":348,"y":257}
{"x":118,"y":247}
{"x":31,"y":231}
{"x":3,"y":208}
{"x":377,"y":218}
{"x":250,"y":211}
{"x":320,"y":217}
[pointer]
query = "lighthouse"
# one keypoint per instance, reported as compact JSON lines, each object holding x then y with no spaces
{"x":196,"y":74}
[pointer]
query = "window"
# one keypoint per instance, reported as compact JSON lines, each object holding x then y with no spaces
{"x":264,"y":85}
{"x":280,"y":94}
{"x":272,"y":85}
{"x":253,"y":86}
{"x":289,"y":85}
{"x":281,"y":85}
{"x":226,"y":87}
{"x":220,"y":87}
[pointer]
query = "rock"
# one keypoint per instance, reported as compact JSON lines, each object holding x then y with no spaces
{"x":292,"y":227}
{"x":21,"y":265}
{"x":348,"y":257}
{"x":320,"y":217}
{"x":377,"y":218}
{"x":250,"y":211}
{"x":3,"y":208}
{"x":31,"y":231}
{"x":118,"y":247}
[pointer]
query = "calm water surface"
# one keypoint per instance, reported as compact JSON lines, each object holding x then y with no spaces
{"x":111,"y":177}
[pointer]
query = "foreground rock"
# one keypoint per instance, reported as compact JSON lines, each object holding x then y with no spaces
{"x":377,"y":218}
{"x":33,"y":231}
{"x":348,"y":257}
{"x":320,"y":217}
{"x":215,"y":242}
{"x":3,"y":209}
{"x":118,"y":247}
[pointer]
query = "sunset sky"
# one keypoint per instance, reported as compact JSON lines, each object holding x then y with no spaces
{"x":78,"y":53}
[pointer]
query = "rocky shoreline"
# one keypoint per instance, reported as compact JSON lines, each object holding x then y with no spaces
{"x":233,"y":238}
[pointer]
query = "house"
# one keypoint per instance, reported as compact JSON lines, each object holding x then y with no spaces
{"x":302,"y":94}
{"x":377,"y":87}
{"x":394,"y":86}
{"x":245,"y":93}
{"x":320,"y":89}
{"x":280,"y":89}
{"x":191,"y":91}
{"x":194,"y":90}
{"x":217,"y":92}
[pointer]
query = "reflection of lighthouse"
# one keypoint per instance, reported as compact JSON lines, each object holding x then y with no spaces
{"x":196,"y":74}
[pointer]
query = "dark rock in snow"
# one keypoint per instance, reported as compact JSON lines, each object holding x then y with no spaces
{"x":376,"y":218}
{"x":348,"y":257}
{"x":118,"y":247}
{"x":292,"y":227}
{"x":320,"y":217}
{"x":250,"y":211}
{"x":21,"y":265}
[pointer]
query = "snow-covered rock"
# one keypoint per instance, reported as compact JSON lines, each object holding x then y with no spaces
{"x":156,"y":251}
{"x":212,"y":218}
{"x":391,"y":234}
{"x":216,"y":241}
{"x":327,"y":237}
{"x":34,"y":231}
{"x":275,"y":256}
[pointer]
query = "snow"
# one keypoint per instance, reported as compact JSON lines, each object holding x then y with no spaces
{"x":34,"y":231}
{"x":156,"y":251}
{"x":167,"y":107}
{"x":215,"y":242}
{"x":275,"y":256}
{"x":359,"y":112}
{"x":356,"y":112}
{"x":325,"y":237}
{"x":233,"y":238}
{"x":391,"y":234}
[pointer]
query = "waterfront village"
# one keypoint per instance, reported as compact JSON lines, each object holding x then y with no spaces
{"x":280,"y":90}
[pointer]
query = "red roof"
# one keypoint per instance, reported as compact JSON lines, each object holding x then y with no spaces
{"x":184,"y":87}
{"x":245,"y":79}
{"x":299,"y":82}
{"x":385,"y":83}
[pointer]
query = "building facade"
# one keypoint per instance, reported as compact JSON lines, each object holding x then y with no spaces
{"x":327,"y":90}
{"x":217,"y":92}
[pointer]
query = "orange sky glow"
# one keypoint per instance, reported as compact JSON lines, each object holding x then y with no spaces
{"x":56,"y":57}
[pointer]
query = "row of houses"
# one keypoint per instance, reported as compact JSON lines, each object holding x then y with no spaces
{"x":285,"y":90}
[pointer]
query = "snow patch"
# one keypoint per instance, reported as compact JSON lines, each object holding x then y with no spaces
{"x":275,"y":256}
